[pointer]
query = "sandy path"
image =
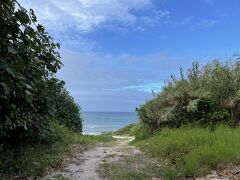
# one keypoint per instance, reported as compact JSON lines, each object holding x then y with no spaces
{"x":83,"y":166}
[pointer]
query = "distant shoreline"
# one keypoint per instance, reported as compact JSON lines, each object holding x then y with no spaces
{"x":91,"y":133}
{"x":96,"y":123}
{"x":108,"y":112}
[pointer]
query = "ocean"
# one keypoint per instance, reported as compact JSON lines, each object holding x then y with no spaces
{"x":98,"y":122}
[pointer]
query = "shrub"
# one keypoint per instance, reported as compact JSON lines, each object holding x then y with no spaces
{"x":204,"y":96}
{"x":67,"y":112}
{"x":142,"y":132}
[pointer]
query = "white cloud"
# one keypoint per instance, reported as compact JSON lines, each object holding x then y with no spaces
{"x":150,"y":87}
{"x":70,"y":21}
{"x":117,"y":72}
{"x":193,"y":22}
{"x":110,"y":81}
{"x":89,"y":15}
{"x":207,"y":23}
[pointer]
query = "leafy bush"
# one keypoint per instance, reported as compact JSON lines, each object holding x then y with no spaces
{"x":204,"y":96}
{"x":142,"y":132}
{"x":67,"y":112}
{"x":28,"y":62}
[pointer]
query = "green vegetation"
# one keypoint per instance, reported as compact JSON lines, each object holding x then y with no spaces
{"x":31,"y":98}
{"x":39,"y":121}
{"x":127,"y":130}
{"x":192,"y":124}
{"x":34,"y":160}
{"x":205,"y":96}
{"x":193,"y":151}
{"x":67,"y":112}
{"x":139,"y":130}
{"x":130,"y":168}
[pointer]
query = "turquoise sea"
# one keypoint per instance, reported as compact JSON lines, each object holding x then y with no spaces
{"x":97,"y":122}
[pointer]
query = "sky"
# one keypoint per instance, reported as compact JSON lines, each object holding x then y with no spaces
{"x":116,"y":52}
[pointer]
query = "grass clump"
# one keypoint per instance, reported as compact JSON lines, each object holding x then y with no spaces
{"x":128,"y":167}
{"x":194,"y":151}
{"x":33,"y":161}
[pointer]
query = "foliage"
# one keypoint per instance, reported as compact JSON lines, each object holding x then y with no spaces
{"x":129,"y":167}
{"x":142,"y":131}
{"x":139,"y":130}
{"x":193,"y":151}
{"x":33,"y":160}
{"x":207,"y":95}
{"x":28,"y":63}
{"x":127,"y":130}
{"x":68,"y":113}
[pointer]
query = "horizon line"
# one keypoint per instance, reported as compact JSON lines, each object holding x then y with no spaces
{"x":112,"y":111}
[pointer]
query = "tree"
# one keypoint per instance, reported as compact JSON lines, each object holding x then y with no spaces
{"x":28,"y":61}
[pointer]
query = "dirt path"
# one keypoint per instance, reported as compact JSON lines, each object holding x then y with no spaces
{"x":84,"y":166}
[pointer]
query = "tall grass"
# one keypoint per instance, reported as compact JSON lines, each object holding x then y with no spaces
{"x":203,"y":96}
{"x":194,"y":151}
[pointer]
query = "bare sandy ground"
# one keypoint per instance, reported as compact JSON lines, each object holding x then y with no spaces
{"x":83,"y":166}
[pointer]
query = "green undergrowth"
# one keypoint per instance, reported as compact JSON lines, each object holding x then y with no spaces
{"x":129,"y":167}
{"x":127,"y":130}
{"x":34,"y":160}
{"x":191,"y":152}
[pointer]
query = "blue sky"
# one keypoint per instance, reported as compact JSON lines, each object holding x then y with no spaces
{"x":115,"y":52}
